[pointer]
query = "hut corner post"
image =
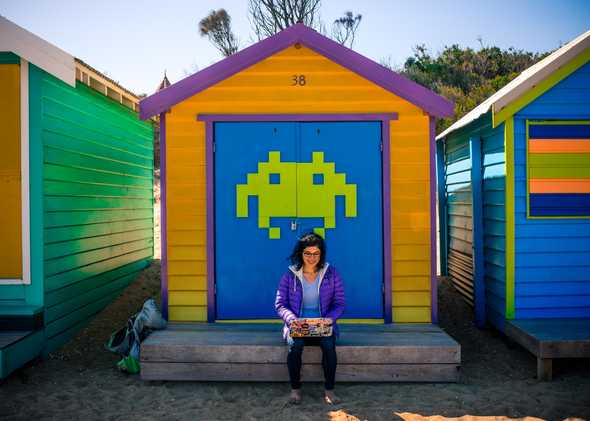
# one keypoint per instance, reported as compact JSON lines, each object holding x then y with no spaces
{"x":387,"y":267}
{"x":478,"y":237}
{"x":442,"y":206}
{"x":432,"y":175}
{"x":209,"y":163}
{"x":163,"y":232}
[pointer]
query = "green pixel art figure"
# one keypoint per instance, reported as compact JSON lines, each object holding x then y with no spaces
{"x":296,"y":190}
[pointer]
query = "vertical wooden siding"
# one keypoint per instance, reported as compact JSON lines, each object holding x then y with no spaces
{"x":97,"y":200}
{"x":265,"y":88}
{"x":10,"y":173}
{"x":460,"y":215}
{"x":494,"y":224}
{"x":552,"y":263}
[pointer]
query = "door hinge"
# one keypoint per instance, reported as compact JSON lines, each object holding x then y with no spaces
{"x":213,"y":147}
{"x":381,"y":146}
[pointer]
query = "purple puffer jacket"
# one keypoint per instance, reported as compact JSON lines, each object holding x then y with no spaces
{"x":289,"y":298}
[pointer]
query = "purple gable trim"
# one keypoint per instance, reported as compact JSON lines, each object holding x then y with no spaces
{"x":433,"y":260}
{"x":296,"y":117}
{"x":299,"y":33}
{"x":385,"y":119}
{"x":209,"y":163}
{"x":386,"y":186}
{"x":163,"y":234}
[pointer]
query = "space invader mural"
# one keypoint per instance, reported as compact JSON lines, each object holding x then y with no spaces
{"x":296,"y":190}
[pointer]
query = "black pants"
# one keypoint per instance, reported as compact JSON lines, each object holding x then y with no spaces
{"x":329,"y":360}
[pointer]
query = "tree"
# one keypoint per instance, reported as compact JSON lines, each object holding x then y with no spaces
{"x":268,"y":17}
{"x":466,"y":76}
{"x":217,"y":27}
{"x":344,"y":28}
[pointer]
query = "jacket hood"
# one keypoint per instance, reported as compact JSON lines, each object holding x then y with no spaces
{"x":299,"y":274}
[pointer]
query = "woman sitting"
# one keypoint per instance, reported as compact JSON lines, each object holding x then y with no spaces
{"x":310,"y":288}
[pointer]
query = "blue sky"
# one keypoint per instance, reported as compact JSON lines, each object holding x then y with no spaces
{"x":135,"y":41}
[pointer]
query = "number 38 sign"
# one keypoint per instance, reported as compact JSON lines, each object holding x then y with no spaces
{"x":298,"y":80}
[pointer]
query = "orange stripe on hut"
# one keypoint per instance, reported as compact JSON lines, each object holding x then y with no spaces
{"x":552,"y":185}
{"x":559,"y":146}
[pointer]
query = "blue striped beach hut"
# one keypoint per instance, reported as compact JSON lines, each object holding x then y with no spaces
{"x":514,"y":206}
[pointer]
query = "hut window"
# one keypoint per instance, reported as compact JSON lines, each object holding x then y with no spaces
{"x":318,"y":179}
{"x":558,"y":168}
{"x":274,"y":179}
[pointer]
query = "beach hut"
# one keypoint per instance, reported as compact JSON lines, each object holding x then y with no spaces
{"x":292,"y":134}
{"x":514,"y":197}
{"x":76,"y":184}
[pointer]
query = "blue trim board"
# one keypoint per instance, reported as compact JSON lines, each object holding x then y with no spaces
{"x":555,"y":200}
{"x":442,"y":208}
{"x":559,"y":131}
{"x":559,"y":204}
{"x":563,"y":211}
{"x":478,"y":232}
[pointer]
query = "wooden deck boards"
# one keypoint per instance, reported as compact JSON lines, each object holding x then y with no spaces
{"x":10,"y":337}
{"x":256,"y":352}
{"x":551,"y":338}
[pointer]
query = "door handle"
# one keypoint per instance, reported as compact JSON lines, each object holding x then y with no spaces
{"x":293,"y":225}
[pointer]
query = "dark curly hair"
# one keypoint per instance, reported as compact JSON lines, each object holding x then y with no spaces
{"x":310,"y":239}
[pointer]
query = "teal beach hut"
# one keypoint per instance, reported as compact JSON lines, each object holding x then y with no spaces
{"x":514,"y":206}
{"x":76,"y":182}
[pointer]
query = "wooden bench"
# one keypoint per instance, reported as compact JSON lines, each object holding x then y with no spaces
{"x":547,"y":339}
{"x":256,"y":352}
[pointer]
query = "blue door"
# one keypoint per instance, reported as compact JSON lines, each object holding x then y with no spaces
{"x":275,"y":181}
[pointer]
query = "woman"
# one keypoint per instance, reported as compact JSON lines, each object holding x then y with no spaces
{"x":310,"y":288}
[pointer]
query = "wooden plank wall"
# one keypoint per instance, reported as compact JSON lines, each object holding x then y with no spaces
{"x":552,"y":270}
{"x":97,"y":200}
{"x":494,"y":222}
{"x":265,"y":88}
{"x":459,"y":218}
{"x":460,"y":214}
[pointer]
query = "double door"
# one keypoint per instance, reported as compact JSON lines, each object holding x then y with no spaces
{"x":275,"y":181}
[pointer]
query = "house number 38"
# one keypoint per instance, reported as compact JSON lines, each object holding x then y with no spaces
{"x":298,"y":80}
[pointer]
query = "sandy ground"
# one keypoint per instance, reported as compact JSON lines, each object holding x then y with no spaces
{"x":80,"y":381}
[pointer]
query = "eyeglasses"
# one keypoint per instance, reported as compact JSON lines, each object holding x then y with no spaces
{"x":308,"y":254}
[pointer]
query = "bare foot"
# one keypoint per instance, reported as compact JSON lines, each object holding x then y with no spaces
{"x":330,"y":397}
{"x":295,"y":397}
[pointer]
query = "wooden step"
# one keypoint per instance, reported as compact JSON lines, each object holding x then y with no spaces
{"x":238,"y":352}
{"x":17,"y":348}
{"x":547,"y":339}
{"x":20,"y":317}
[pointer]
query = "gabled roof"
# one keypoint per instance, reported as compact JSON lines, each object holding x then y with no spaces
{"x":427,"y":100}
{"x":59,"y":63}
{"x":515,"y":91}
{"x":36,"y":50}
